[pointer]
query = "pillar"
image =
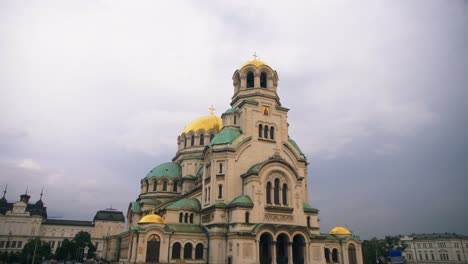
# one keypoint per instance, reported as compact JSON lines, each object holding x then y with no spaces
{"x":273,"y":252}
{"x":290,"y":261}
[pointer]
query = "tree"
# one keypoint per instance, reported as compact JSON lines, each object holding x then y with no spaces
{"x":66,"y":251}
{"x":379,"y":249}
{"x":42,"y":251}
{"x":74,"y":249}
{"x":83,"y":239}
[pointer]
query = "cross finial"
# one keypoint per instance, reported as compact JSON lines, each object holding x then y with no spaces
{"x":212,"y":109}
{"x":4,"y":191}
{"x":26,"y":190}
{"x":255,"y":55}
{"x":152,"y":211}
{"x":42,"y":193}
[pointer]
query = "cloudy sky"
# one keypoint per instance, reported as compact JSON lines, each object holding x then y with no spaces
{"x":94,"y":93}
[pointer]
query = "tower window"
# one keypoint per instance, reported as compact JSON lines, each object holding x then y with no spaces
{"x":181,"y":217}
{"x":164,"y":186}
{"x":186,"y":218}
{"x":250,"y":80}
{"x":263,"y":80}
{"x":265,"y":132}
{"x":220,"y":168}
{"x":247,"y":217}
{"x":220,"y":191}
{"x":155,"y":185}
{"x":272,"y":133}
{"x":185,"y":142}
{"x":268,"y":193}
{"x":191,"y":218}
{"x":260,"y":131}
{"x":308,"y":221}
{"x":285,"y":194}
{"x":235,"y":120}
{"x":192,"y":141}
{"x":174,"y":186}
{"x":276,"y":192}
{"x":202,"y":140}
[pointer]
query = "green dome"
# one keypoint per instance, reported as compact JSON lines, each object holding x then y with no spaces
{"x":227,"y":135}
{"x":186,"y":204}
{"x":309,"y":208}
{"x":243,"y":200}
{"x":169,"y":169}
{"x":232,"y":111}
{"x":296,"y":146}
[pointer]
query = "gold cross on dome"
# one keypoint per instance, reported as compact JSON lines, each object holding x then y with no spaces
{"x":212,"y":109}
{"x":255,"y":55}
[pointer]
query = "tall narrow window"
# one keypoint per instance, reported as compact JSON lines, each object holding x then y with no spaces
{"x":247,"y":217}
{"x":260,"y":131}
{"x":164,"y":186}
{"x":211,"y":137}
{"x":209,"y":194}
{"x":285,"y":194}
{"x":308,"y":221}
{"x":155,"y":185}
{"x":199,"y":251}
{"x":188,"y":251}
{"x":181,"y":217}
{"x":220,"y":191}
{"x":202,"y":140}
{"x":176,"y":250}
{"x":186,"y":218}
{"x":185,"y":142}
{"x":174,"y":186}
{"x":192,"y":142}
{"x":268,"y":193}
{"x":276,"y":192}
{"x":263,"y":80}
{"x":191,"y":218}
{"x":147,"y":185}
{"x":272,"y":133}
{"x":235,"y":121}
{"x":220,"y":168}
{"x":265,"y":132}
{"x":250,"y":80}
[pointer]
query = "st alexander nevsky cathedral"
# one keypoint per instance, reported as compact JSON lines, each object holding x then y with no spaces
{"x":235,"y":191}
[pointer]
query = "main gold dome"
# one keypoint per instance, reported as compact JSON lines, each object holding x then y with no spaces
{"x":151,"y":219}
{"x":339,"y":230}
{"x":254,"y":62}
{"x":205,"y":123}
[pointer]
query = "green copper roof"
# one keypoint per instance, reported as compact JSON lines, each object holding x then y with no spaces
{"x":308,"y":208}
{"x":169,"y":169}
{"x":186,"y":204}
{"x":243,"y":200}
{"x":226,"y":135}
{"x":232,"y":111}
{"x":296,"y":146}
{"x":136,"y":207}
{"x":255,"y":168}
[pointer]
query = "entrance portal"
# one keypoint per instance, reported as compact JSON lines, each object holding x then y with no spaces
{"x":265,"y":248}
{"x":152,"y":249}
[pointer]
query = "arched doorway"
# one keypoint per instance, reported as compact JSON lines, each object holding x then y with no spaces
{"x":282,"y":249}
{"x":152,"y":249}
{"x":352,"y":254}
{"x":265,"y":248}
{"x":298,"y":249}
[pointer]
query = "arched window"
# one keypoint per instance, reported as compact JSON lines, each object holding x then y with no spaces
{"x":188,"y":251}
{"x":335,"y":255}
{"x":285,"y":194}
{"x":155,"y":185}
{"x":272,"y":133}
{"x":202,"y":140}
{"x":327,"y":255}
{"x":247,"y":217}
{"x":250,"y":80}
{"x":220,"y":168}
{"x":174,"y":186}
{"x":191,"y":218}
{"x":209,"y":194}
{"x":265,"y":132}
{"x":260,"y":131}
{"x":181,"y":217}
{"x":276,"y":191}
{"x":185,"y":142}
{"x":263,"y":80}
{"x":192,"y":142}
{"x":235,"y":120}
{"x":268,"y":193}
{"x":147,"y":185}
{"x":308,"y":221}
{"x":164,"y":186}
{"x":220,"y":191}
{"x":199,"y":251}
{"x":176,"y":250}
{"x":186,"y":218}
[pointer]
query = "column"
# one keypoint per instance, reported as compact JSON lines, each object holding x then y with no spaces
{"x":273,"y":252}
{"x":290,"y":260}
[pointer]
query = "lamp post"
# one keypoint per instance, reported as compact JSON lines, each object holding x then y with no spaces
{"x":8,"y":245}
{"x":34,"y":252}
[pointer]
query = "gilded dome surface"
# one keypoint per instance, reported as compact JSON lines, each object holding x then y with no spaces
{"x":205,"y":123}
{"x":254,"y":62}
{"x":339,"y":230}
{"x":151,"y":219}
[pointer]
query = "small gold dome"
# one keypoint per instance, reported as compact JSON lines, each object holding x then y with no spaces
{"x":206,"y":123}
{"x":339,"y":230}
{"x":256,"y":63}
{"x":151,"y":219}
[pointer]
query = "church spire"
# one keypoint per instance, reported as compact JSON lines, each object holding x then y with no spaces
{"x":5,"y":191}
{"x":42,"y":193}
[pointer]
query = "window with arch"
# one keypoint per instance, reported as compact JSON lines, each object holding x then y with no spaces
{"x":155,"y":185}
{"x":147,"y":185}
{"x":276,"y":192}
{"x":272,"y":133}
{"x":220,"y":191}
{"x":308,"y":221}
{"x":191,"y":218}
{"x":181,"y":217}
{"x":260,"y":130}
{"x":335,"y":255}
{"x":263,"y":80}
{"x":176,"y":250}
{"x":285,"y":194}
{"x":327,"y":255}
{"x":250,"y":80}
{"x":268,"y":193}
{"x":220,"y":167}
{"x":265,"y":132}
{"x":202,"y":140}
{"x":164,"y":186}
{"x":199,"y":251}
{"x":174,"y":186}
{"x":192,"y":142}
{"x":185,"y":141}
{"x":247,"y":217}
{"x":235,"y":120}
{"x":188,"y":251}
{"x":186,"y":218}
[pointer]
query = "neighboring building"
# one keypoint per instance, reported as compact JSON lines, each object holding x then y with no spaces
{"x":235,"y":192}
{"x":22,"y":221}
{"x":436,"y":248}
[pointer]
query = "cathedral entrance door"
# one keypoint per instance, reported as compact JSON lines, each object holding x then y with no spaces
{"x":298,"y":249}
{"x":265,"y":244}
{"x":152,"y":249}
{"x":282,"y":249}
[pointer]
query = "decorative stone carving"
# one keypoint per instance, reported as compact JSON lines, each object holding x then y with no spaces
{"x":278,"y":218}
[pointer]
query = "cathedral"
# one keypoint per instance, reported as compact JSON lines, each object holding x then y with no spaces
{"x":235,"y":191}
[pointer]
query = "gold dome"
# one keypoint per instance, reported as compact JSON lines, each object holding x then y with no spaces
{"x":339,"y":230}
{"x":206,"y":123}
{"x":254,"y":62}
{"x":151,"y":219}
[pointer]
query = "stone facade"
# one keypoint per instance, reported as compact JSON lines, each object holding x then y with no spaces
{"x":233,"y":193}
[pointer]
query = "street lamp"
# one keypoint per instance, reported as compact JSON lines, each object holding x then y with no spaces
{"x":8,"y":245}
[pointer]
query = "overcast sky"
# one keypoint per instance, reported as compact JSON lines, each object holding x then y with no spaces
{"x":94,"y":93}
